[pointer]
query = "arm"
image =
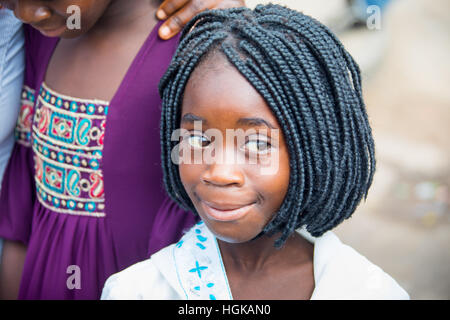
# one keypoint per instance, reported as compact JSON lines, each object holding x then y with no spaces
{"x":179,"y":12}
{"x":13,"y":258}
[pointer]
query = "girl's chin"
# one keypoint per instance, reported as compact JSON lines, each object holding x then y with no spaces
{"x":54,"y":33}
{"x":231,"y":233}
{"x":231,"y":240}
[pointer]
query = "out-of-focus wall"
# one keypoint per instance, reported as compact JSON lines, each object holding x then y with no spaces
{"x":322,"y":10}
{"x":404,"y":226}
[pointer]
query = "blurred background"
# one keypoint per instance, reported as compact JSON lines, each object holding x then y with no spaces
{"x":402,"y":47}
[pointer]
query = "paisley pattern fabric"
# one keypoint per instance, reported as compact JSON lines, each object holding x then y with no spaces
{"x":23,"y":127}
{"x":66,"y":135}
{"x":67,"y":139}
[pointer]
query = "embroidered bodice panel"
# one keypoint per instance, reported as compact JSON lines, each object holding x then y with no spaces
{"x":67,"y":136}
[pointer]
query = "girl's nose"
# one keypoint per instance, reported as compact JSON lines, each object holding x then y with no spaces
{"x":31,"y":12}
{"x":223,"y":175}
{"x":224,"y":172}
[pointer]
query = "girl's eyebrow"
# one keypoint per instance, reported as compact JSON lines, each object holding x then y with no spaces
{"x":190,"y":118}
{"x":255,"y":122}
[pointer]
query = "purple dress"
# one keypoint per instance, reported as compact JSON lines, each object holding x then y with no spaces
{"x":83,"y":188}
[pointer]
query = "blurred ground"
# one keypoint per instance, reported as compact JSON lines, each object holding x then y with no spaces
{"x":404,"y":226}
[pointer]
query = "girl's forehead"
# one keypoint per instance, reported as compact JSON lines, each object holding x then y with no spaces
{"x":219,"y":92}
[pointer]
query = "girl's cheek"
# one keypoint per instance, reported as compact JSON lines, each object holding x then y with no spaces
{"x":271,"y":181}
{"x":183,"y":173}
{"x":190,"y":174}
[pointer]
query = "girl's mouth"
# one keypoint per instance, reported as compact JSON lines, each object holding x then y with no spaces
{"x":227,"y":213}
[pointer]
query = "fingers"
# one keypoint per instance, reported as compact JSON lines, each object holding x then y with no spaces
{"x":179,"y":12}
{"x":176,"y":22}
{"x":169,"y":7}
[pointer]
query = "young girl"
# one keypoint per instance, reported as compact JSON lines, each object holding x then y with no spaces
{"x":82,"y":192}
{"x":284,"y":86}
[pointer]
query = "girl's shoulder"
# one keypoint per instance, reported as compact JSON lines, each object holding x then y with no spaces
{"x":142,"y":280}
{"x":188,"y":269}
{"x":340,"y":272}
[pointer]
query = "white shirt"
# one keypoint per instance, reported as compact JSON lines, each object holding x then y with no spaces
{"x":193,"y":269}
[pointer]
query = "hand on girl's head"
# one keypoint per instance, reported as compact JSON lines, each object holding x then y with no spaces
{"x":179,"y":12}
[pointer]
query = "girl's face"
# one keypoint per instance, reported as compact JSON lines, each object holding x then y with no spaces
{"x":58,"y":18}
{"x":237,"y":192}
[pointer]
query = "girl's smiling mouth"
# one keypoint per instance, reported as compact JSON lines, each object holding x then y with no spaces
{"x":226,"y":213}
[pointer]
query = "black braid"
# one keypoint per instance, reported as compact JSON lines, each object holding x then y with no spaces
{"x":313,"y":87}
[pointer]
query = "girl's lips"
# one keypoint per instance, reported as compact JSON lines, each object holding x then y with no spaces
{"x":226,"y":215}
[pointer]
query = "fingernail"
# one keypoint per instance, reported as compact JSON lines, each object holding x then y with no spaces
{"x":164,"y":32}
{"x":161,"y":14}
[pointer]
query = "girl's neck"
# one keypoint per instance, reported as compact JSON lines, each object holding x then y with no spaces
{"x":104,"y":53}
{"x":260,"y":254}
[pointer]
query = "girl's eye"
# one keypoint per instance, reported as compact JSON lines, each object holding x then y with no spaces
{"x":198,"y":141}
{"x":258,"y":146}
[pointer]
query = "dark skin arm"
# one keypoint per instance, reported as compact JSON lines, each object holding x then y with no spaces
{"x":12,"y":261}
{"x":179,"y":12}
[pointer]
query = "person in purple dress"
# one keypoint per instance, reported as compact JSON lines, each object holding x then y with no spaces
{"x":82,"y":194}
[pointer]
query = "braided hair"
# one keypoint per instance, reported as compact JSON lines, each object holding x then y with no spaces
{"x":313,"y":87}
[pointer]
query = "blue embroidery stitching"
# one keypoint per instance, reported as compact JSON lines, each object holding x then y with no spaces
{"x":178,"y":274}
{"x":200,"y":246}
{"x":198,"y":269}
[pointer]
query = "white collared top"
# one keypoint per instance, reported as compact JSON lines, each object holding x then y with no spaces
{"x":192,"y":269}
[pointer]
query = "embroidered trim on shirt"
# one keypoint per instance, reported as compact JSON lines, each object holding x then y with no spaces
{"x":197,"y":264}
{"x":67,"y":140}
{"x":24,"y":121}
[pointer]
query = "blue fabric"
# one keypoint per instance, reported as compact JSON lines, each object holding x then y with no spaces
{"x":360,"y":7}
{"x":12,"y":64}
{"x":380,"y":3}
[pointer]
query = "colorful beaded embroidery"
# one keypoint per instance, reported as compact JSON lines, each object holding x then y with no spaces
{"x":67,"y":140}
{"x":23,"y":127}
